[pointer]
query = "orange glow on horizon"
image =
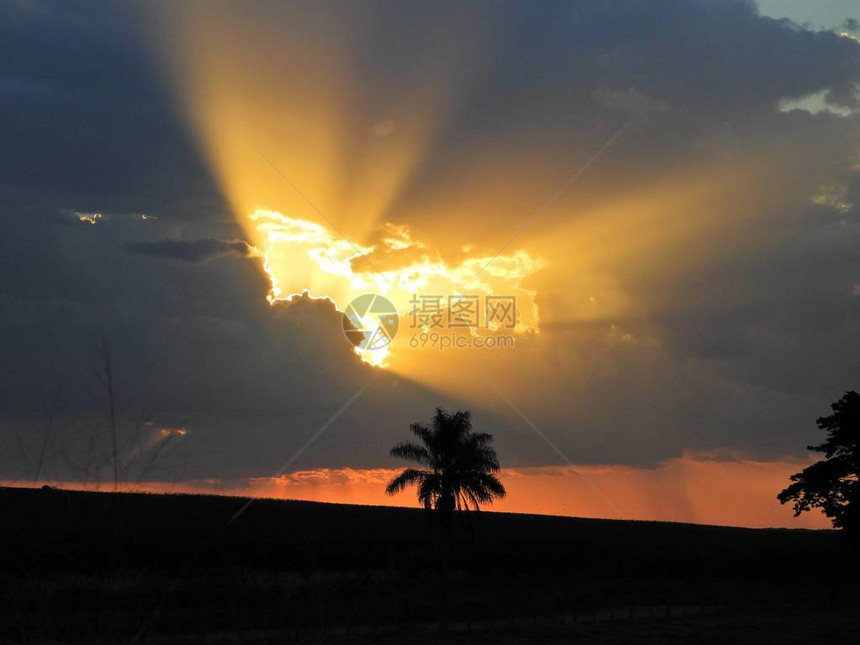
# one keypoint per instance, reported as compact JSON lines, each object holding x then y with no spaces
{"x":697,"y":489}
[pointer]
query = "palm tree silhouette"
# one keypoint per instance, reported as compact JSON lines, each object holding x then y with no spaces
{"x":458,"y":472}
{"x":460,"y":466}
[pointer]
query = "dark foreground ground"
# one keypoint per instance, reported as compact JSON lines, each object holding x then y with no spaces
{"x":122,"y":568}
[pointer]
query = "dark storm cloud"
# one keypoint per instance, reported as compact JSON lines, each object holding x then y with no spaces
{"x":556,"y":80}
{"x":191,"y":250}
{"x":192,"y":343}
{"x":740,"y":354}
{"x":844,"y":94}
{"x":85,"y":123}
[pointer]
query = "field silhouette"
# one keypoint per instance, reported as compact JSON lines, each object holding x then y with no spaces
{"x":129,"y":567}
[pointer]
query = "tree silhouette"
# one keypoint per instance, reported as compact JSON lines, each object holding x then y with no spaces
{"x":832,"y":484}
{"x":459,"y":466}
{"x":458,"y":471}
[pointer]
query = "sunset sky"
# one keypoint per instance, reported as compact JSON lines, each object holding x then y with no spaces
{"x":669,"y":189}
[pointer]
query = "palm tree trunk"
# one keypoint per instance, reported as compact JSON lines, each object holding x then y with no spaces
{"x":444,"y":579}
{"x":446,"y":512}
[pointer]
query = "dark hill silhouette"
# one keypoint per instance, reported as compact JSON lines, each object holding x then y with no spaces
{"x":84,"y":563}
{"x":153,"y":528}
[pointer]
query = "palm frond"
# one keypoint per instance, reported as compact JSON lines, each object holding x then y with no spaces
{"x":404,"y":479}
{"x":412,"y":452}
{"x":429,"y":490}
{"x":422,"y":432}
{"x":492,"y":485}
